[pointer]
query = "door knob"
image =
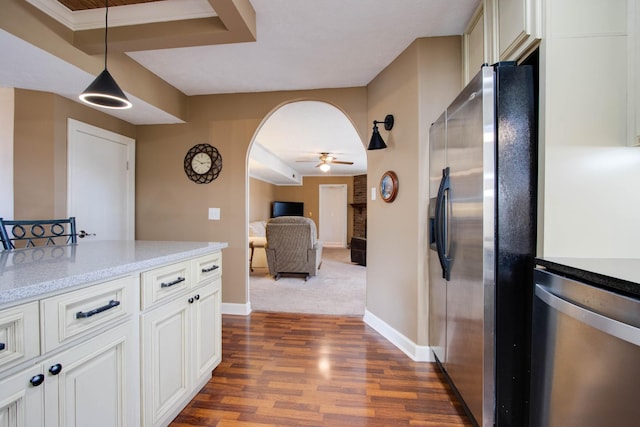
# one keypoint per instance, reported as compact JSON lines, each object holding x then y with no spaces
{"x":82,"y":234}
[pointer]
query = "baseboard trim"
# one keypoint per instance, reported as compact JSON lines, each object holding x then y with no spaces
{"x":417,"y":353}
{"x":236,"y":309}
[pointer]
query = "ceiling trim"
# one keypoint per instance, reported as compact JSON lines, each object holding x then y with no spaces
{"x":235,"y":22}
{"x":135,"y":14}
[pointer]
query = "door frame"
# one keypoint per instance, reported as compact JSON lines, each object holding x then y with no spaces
{"x":74,"y":129}
{"x":345,"y":221}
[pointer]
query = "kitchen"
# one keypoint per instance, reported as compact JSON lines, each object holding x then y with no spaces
{"x":582,"y":191}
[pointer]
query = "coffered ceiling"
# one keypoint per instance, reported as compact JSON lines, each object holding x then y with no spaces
{"x":198,"y":47}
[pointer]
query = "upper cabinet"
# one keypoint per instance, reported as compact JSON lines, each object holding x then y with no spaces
{"x":473,"y":49}
{"x":518,"y":29}
{"x":513,"y":28}
{"x":590,"y":60}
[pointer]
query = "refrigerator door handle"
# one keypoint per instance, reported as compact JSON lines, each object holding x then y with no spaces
{"x":441,"y":225}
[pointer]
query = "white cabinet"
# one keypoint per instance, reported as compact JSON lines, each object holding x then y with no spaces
{"x":125,"y":352}
{"x":88,"y":371}
{"x":21,"y":403}
{"x":19,"y":334}
{"x":94,"y":383}
{"x":181,"y":338}
{"x":586,"y":61}
{"x":474,"y":49}
{"x":514,"y":28}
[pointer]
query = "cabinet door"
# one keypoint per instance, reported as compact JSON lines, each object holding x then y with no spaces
{"x":207,"y":330}
{"x":519,"y":27}
{"x":19,"y":334}
{"x":94,"y":383}
{"x":165,"y":340}
{"x":21,"y":403}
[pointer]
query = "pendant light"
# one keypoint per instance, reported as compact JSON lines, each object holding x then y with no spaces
{"x":104,"y":91}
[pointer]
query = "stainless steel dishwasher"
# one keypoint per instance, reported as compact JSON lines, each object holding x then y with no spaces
{"x":585,"y":367}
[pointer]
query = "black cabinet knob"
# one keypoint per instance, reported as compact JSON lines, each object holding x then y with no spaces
{"x":190,"y":300}
{"x":55,"y":369}
{"x":197,"y":297}
{"x":36,"y":380}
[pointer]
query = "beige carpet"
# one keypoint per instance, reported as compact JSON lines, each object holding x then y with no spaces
{"x":338,"y":289}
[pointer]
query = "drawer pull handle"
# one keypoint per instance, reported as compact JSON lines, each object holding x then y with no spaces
{"x":55,"y":369}
{"x":2,"y":346}
{"x":210,"y":269}
{"x":36,"y":380}
{"x":190,"y":300}
{"x":197,"y":297}
{"x":174,"y":282}
{"x":110,"y":305}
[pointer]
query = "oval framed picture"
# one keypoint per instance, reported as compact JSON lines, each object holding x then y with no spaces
{"x":389,"y":186}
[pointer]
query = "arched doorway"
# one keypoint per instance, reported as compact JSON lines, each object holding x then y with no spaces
{"x":284,"y":164}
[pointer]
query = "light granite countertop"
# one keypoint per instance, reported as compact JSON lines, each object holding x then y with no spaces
{"x":28,"y":274}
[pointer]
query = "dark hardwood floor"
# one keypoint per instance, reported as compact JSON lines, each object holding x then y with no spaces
{"x":283,"y":369}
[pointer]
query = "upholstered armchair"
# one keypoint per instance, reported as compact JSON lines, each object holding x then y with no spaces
{"x":292,"y":246}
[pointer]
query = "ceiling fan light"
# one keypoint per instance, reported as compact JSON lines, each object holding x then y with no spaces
{"x":105,"y":92}
{"x":325,"y":167}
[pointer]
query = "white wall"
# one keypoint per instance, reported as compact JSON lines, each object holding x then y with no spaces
{"x":592,"y":202}
{"x":6,"y":152}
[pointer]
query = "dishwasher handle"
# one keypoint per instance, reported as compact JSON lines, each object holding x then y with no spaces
{"x":605,"y":324}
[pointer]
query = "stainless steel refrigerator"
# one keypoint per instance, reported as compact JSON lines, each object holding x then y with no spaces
{"x":482,"y":232}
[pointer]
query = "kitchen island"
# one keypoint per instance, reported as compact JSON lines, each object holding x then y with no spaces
{"x":122,"y":331}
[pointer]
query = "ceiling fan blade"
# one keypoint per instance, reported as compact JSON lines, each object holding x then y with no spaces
{"x":341,"y":163}
{"x":319,"y":164}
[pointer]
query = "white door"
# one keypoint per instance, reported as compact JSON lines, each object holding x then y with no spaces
{"x":333,"y":215}
{"x":101,"y":182}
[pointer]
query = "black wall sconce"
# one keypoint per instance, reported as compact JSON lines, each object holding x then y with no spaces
{"x":377,"y":143}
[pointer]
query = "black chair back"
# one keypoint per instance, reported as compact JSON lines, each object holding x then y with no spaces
{"x":31,"y":233}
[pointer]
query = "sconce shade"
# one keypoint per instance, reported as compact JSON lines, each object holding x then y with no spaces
{"x":105,"y":92}
{"x":377,"y":143}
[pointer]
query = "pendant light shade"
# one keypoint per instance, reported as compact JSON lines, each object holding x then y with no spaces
{"x":104,"y":91}
{"x":377,"y":143}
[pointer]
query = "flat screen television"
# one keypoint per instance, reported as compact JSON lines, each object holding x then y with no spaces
{"x":287,"y":209}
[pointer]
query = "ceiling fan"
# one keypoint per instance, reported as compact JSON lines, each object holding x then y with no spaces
{"x":326,"y":160}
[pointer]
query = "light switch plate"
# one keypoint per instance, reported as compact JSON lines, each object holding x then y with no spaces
{"x":374,"y":191}
{"x":214,"y":214}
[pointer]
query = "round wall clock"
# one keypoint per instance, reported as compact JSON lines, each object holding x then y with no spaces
{"x":203,"y":163}
{"x":389,"y":186}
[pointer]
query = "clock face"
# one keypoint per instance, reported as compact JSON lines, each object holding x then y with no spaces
{"x":202,"y":164}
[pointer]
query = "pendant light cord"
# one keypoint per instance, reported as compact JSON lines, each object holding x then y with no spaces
{"x":106,"y":29}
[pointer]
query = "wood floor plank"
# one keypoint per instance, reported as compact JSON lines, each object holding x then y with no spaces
{"x":281,"y":369}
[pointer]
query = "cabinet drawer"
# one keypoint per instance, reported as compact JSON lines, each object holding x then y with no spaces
{"x":161,"y":284}
{"x":207,"y":268}
{"x":19,"y":334}
{"x":86,"y":310}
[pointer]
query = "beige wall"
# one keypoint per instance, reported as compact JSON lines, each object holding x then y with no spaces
{"x":261,"y":194}
{"x":170,"y":207}
{"x":40,"y":150}
{"x":415,"y":88}
{"x":309,"y":194}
